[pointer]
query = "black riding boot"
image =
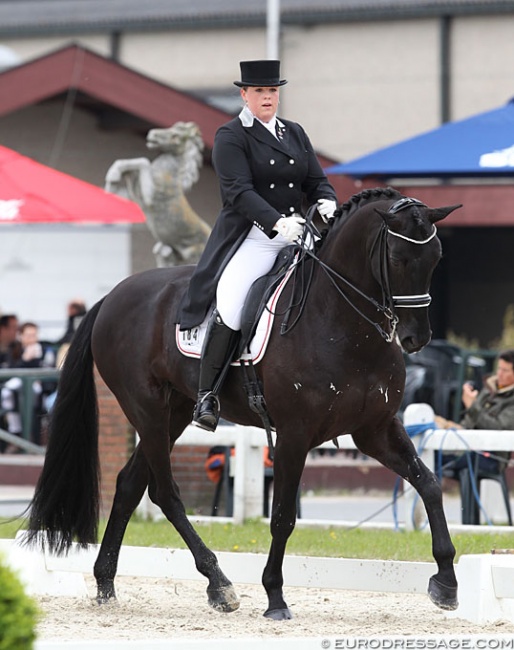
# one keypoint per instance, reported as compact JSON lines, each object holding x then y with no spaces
{"x":217,"y":351}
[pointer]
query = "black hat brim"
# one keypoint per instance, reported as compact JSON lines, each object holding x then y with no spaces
{"x":264,"y":84}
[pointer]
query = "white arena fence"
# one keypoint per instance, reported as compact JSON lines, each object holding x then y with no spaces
{"x":247,"y":467}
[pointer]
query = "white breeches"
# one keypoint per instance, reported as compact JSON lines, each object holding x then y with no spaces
{"x":253,"y":259}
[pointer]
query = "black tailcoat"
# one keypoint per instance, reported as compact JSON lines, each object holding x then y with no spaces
{"x":261,"y":179}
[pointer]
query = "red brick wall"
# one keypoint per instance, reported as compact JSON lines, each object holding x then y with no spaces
{"x":116,"y":441}
{"x":196,"y":490}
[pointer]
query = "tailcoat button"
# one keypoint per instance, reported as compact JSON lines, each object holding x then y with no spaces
{"x":272,"y":186}
{"x":291,"y":184}
{"x":272,"y":162}
{"x":291,"y":161}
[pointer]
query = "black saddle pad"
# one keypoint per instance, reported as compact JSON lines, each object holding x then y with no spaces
{"x":259,"y":294}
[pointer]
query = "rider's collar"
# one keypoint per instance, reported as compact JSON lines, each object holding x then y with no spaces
{"x":247,"y":118}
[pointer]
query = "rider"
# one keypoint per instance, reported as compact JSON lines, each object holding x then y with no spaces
{"x":266,"y":166}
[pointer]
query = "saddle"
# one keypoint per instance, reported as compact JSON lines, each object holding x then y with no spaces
{"x":257,"y":317}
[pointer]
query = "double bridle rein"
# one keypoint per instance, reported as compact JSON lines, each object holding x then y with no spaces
{"x":389,"y":302}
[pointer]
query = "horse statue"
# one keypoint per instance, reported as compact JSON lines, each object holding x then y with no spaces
{"x":159,"y":188}
{"x":339,"y":371}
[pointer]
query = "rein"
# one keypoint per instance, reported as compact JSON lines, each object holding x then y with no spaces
{"x":389,"y":302}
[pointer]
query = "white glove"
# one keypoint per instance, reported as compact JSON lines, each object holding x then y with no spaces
{"x":326,"y":209}
{"x":290,"y":227}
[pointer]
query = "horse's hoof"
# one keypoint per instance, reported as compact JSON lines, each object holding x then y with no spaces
{"x":223,"y":599}
{"x":105,"y":594}
{"x":105,"y":600}
{"x":283,"y":614}
{"x":441,"y":595}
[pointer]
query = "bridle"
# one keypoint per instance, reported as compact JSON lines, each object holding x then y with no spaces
{"x":390,"y":302}
{"x":411,"y":300}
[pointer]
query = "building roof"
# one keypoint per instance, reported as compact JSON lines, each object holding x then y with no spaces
{"x":29,"y":17}
{"x":100,"y":82}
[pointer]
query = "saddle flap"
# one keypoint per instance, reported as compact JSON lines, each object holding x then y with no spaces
{"x":259,"y":294}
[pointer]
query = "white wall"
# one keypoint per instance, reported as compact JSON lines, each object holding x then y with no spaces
{"x":482,"y":56}
{"x":361,"y":86}
{"x":42,"y":268}
{"x":354,"y":86}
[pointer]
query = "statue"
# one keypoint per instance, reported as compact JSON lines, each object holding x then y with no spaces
{"x":159,"y":188}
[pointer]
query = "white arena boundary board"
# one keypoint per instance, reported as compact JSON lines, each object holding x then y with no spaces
{"x":40,"y":570}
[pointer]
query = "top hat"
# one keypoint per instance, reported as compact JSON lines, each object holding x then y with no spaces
{"x":260,"y":73}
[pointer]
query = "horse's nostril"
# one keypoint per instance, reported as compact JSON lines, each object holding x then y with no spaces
{"x":411,"y":344}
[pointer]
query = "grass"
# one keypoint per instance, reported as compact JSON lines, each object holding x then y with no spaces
{"x":254,"y":537}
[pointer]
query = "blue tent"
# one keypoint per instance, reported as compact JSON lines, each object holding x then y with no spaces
{"x":482,"y":145}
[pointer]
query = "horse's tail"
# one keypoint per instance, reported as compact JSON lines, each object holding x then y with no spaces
{"x":66,"y":500}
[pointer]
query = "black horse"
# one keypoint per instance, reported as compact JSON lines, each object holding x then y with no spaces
{"x":340,"y":370}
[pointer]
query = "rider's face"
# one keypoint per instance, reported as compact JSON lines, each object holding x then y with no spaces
{"x":262,"y":101}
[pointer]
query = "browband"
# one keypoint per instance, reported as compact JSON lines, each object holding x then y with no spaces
{"x":403,"y":203}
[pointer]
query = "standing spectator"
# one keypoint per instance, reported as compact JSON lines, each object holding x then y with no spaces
{"x":8,"y":335}
{"x":76,"y":311}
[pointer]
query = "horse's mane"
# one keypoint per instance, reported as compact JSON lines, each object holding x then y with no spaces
{"x":363,"y":198}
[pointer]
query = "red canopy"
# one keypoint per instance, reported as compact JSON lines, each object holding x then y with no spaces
{"x":33,"y":193}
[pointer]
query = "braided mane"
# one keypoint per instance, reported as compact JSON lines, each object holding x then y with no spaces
{"x":363,"y":198}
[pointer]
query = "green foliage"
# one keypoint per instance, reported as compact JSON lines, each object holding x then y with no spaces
{"x":18,"y":613}
{"x":507,"y":338}
{"x":504,"y":342}
{"x":462,"y":341}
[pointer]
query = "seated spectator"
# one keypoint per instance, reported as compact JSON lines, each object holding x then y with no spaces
{"x":491,"y":408}
{"x":31,"y":355}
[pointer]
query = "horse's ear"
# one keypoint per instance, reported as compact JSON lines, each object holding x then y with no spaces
{"x":388,"y":217}
{"x":433,"y":214}
{"x":438,"y":214}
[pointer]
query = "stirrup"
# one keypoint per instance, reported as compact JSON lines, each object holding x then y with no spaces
{"x":206,"y":414}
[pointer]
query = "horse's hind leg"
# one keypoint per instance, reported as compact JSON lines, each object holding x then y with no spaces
{"x":396,"y":451}
{"x":130,"y":486}
{"x":165,"y":493}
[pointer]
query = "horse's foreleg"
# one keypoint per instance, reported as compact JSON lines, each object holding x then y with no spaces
{"x":220,"y":591}
{"x":396,"y":451}
{"x":130,"y":487}
{"x":287,"y":472}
